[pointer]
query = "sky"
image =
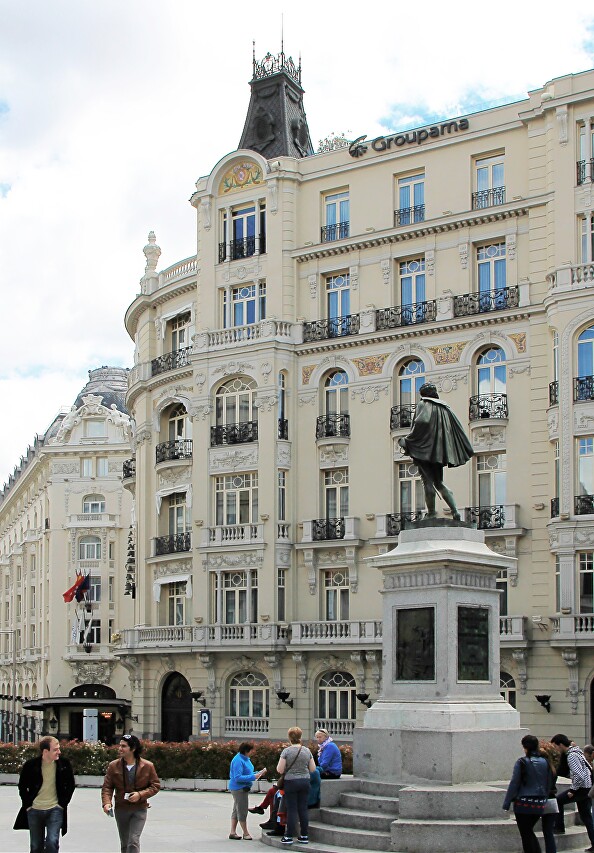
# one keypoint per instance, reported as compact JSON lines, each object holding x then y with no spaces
{"x":110,"y":110}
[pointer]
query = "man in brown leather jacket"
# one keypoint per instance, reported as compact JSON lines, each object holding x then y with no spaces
{"x":134,"y":780}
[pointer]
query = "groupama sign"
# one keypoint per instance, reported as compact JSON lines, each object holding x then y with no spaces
{"x":358,"y":147}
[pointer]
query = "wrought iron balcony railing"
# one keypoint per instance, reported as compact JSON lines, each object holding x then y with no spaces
{"x":335,"y":327}
{"x":179,"y":448}
{"x":244,"y":248}
{"x":327,"y":528}
{"x":491,"y":300}
{"x":173,"y":543}
{"x":334,"y":232}
{"x":488,"y":198}
{"x":554,"y":393}
{"x":585,"y":171}
{"x":397,"y":521}
{"x":409,"y":215}
{"x":129,"y":469}
{"x":584,"y":504}
{"x":170,"y":361}
{"x":485,"y":517}
{"x":401,"y":417}
{"x":583,"y":388}
{"x":283,"y":428}
{"x":234,"y":433}
{"x":554,"y":507}
{"x":333,"y":426}
{"x":405,"y":315}
{"x":487,"y":406}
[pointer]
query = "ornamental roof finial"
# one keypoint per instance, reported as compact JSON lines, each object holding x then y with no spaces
{"x":152,"y":253}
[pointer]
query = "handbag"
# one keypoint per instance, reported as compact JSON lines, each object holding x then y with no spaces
{"x":551,"y":806}
{"x":280,"y":782}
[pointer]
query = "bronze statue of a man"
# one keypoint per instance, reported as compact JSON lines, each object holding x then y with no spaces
{"x":436,"y":439}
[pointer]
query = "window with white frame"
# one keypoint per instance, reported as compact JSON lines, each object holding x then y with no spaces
{"x":89,"y":548}
{"x":502,"y":585}
{"x":491,"y":475}
{"x":336,"y":216}
{"x":236,"y":497}
{"x":557,"y":584}
{"x":282,"y":495}
{"x":281,"y":595}
{"x":248,"y":305}
{"x":32,"y":636}
{"x":586,"y":583}
{"x":95,"y":588}
{"x":92,"y":634}
{"x":235,"y":402}
{"x":178,"y":423}
{"x":93,"y":504}
{"x":491,"y":371}
{"x":336,"y":595}
{"x":86,"y":467}
{"x":585,"y":152}
{"x":102,"y":466}
{"x":178,"y":513}
{"x":491,"y":270}
{"x":247,"y":234}
{"x":336,"y":492}
{"x":336,"y":393}
{"x":249,"y":696}
{"x":411,"y":495}
{"x":489,"y":182}
{"x":585,"y":353}
{"x":32,"y":598}
{"x":338,"y":301}
{"x":176,"y":603}
{"x":507,"y":688}
{"x":411,"y":199}
{"x":240,"y":596}
{"x":337,"y":697}
{"x":585,"y":465}
{"x":411,"y":276}
{"x":95,"y":428}
{"x":179,"y":328}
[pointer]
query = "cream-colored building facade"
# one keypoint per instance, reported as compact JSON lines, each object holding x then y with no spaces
{"x":64,"y":512}
{"x":276,"y":369}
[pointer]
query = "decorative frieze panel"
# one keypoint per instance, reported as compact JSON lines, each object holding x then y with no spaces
{"x":370,"y":365}
{"x":488,"y":438}
{"x":447,"y":353}
{"x":439,"y":577}
{"x":583,"y":417}
{"x":333,"y":455}
{"x":229,"y":560}
{"x":92,"y":672}
{"x":447,"y":382}
{"x":220,"y":460}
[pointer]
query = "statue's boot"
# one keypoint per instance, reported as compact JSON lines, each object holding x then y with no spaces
{"x":449,"y":499}
{"x":430,"y":501}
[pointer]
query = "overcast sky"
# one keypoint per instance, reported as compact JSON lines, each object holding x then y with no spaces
{"x":111,"y":109}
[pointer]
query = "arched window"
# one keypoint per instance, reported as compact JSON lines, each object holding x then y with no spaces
{"x":584,"y":383}
{"x":491,"y":371}
{"x":336,"y":396}
{"x":89,"y":548}
{"x":337,"y":710}
{"x":178,"y":423}
{"x":249,"y":703}
{"x":93,"y":504}
{"x":236,"y":412}
{"x":411,"y":376}
{"x":507,"y":687}
{"x":176,"y":708}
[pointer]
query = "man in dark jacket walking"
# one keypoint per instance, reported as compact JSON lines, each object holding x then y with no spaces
{"x":46,"y":785}
{"x":581,"y":782}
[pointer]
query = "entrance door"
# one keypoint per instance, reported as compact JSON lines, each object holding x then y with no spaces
{"x":176,"y":709}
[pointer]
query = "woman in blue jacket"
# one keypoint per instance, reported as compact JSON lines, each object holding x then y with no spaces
{"x":329,"y":757}
{"x":531,"y":780}
{"x":241,"y":777}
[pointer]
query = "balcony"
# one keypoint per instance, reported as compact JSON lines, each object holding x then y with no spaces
{"x":341,"y":729}
{"x":330,"y":633}
{"x":233,"y":433}
{"x":200,"y":637}
{"x":584,"y":171}
{"x":554,"y":393}
{"x":175,"y":543}
{"x":129,"y":469}
{"x":578,"y":628}
{"x":512,"y":630}
{"x":333,"y":426}
{"x":169,"y":451}
{"x":485,"y":406}
{"x":246,"y":725}
{"x":485,"y":517}
{"x":488,"y":198}
{"x":329,"y":233}
{"x":390,"y":524}
{"x":232,"y":534}
{"x":583,"y":388}
{"x":554,"y":507}
{"x":263,"y":330}
{"x":401,"y":417}
{"x":335,"y":327}
{"x":409,"y":215}
{"x":330,"y":529}
{"x":94,"y":519}
{"x":170,"y":361}
{"x":283,"y":429}
{"x":489,"y":300}
{"x":246,"y":247}
{"x":405,"y":315}
{"x":583,"y":505}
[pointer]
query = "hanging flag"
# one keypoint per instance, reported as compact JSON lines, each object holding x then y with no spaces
{"x":75,"y":632}
{"x":83,"y":587}
{"x":70,"y":593}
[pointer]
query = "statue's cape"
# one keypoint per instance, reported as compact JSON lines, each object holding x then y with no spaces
{"x":437,"y":435}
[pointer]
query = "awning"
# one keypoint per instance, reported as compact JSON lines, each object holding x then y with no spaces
{"x":85,"y":702}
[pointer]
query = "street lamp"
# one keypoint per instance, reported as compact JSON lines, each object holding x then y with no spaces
{"x":12,"y":631}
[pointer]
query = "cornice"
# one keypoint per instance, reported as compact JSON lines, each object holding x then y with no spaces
{"x":148,"y":385}
{"x":144,"y":301}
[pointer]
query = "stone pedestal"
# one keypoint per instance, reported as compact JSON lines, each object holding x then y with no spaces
{"x":441,"y":717}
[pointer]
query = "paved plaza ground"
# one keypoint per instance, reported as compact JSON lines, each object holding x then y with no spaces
{"x":178,"y":822}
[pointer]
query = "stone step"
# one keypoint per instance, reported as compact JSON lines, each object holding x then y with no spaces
{"x":369,"y":802}
{"x":353,"y":819}
{"x":378,"y":788}
{"x":350,"y":837}
{"x":313,"y":846}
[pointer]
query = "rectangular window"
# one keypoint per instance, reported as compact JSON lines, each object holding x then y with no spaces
{"x":102,"y":466}
{"x":248,"y":233}
{"x":281,"y":597}
{"x":19,"y":606}
{"x":491,"y":472}
{"x":236,"y":499}
{"x":585,"y":465}
{"x":239,"y":589}
{"x":180,"y":331}
{"x":282,"y":495}
{"x":95,"y":588}
{"x":557,"y":464}
{"x":32,"y":636}
{"x":32,"y":563}
{"x":92,"y":634}
{"x":586,"y":570}
{"x":587,"y":238}
{"x":33,"y":597}
{"x":95,"y":428}
{"x":94,"y":505}
{"x":110,"y":589}
{"x":336,"y":492}
{"x":336,"y":595}
{"x":410,"y":488}
{"x":89,"y":548}
{"x":502,"y":586}
{"x":557,"y":584}
{"x":111,"y":550}
{"x":489,"y":182}
{"x":248,"y":305}
{"x":412,"y":285}
{"x":86,"y":467}
{"x":338,"y":297}
{"x":491,"y":268}
{"x":336,"y":217}
{"x":411,"y":199}
{"x":585,"y":152}
{"x":178,"y":514}
{"x":176,"y":603}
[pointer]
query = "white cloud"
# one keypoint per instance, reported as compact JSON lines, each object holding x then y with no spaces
{"x":114,"y":110}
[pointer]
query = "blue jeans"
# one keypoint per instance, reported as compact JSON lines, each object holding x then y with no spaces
{"x":44,"y":829}
{"x":584,"y":807}
{"x":296,"y":794}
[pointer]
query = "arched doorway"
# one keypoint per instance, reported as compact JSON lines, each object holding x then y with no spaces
{"x":176,"y":708}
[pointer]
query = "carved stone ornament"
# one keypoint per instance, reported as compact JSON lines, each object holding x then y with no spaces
{"x":133,"y":665}
{"x":354,"y":277}
{"x":463,"y":252}
{"x":300,"y":661}
{"x":553,"y":424}
{"x":447,"y":382}
{"x":488,"y":438}
{"x":247,"y":559}
{"x":313,"y":285}
{"x":370,"y":393}
{"x":265,"y":403}
{"x":510,"y":246}
{"x":562,"y":124}
{"x":520,"y":656}
{"x":430,"y":261}
{"x":174,"y":475}
{"x":205,"y":207}
{"x":570,"y":656}
{"x":370,"y":365}
{"x":233,"y":367}
{"x":308,"y":399}
{"x":334,"y":455}
{"x":520,"y":341}
{"x":92,"y":672}
{"x":283,"y":455}
{"x":386,"y":266}
{"x":233,"y":460}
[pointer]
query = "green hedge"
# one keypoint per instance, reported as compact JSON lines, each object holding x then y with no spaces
{"x":198,"y":760}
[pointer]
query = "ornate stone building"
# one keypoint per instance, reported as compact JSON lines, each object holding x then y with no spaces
{"x":277,"y":367}
{"x":64,"y":512}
